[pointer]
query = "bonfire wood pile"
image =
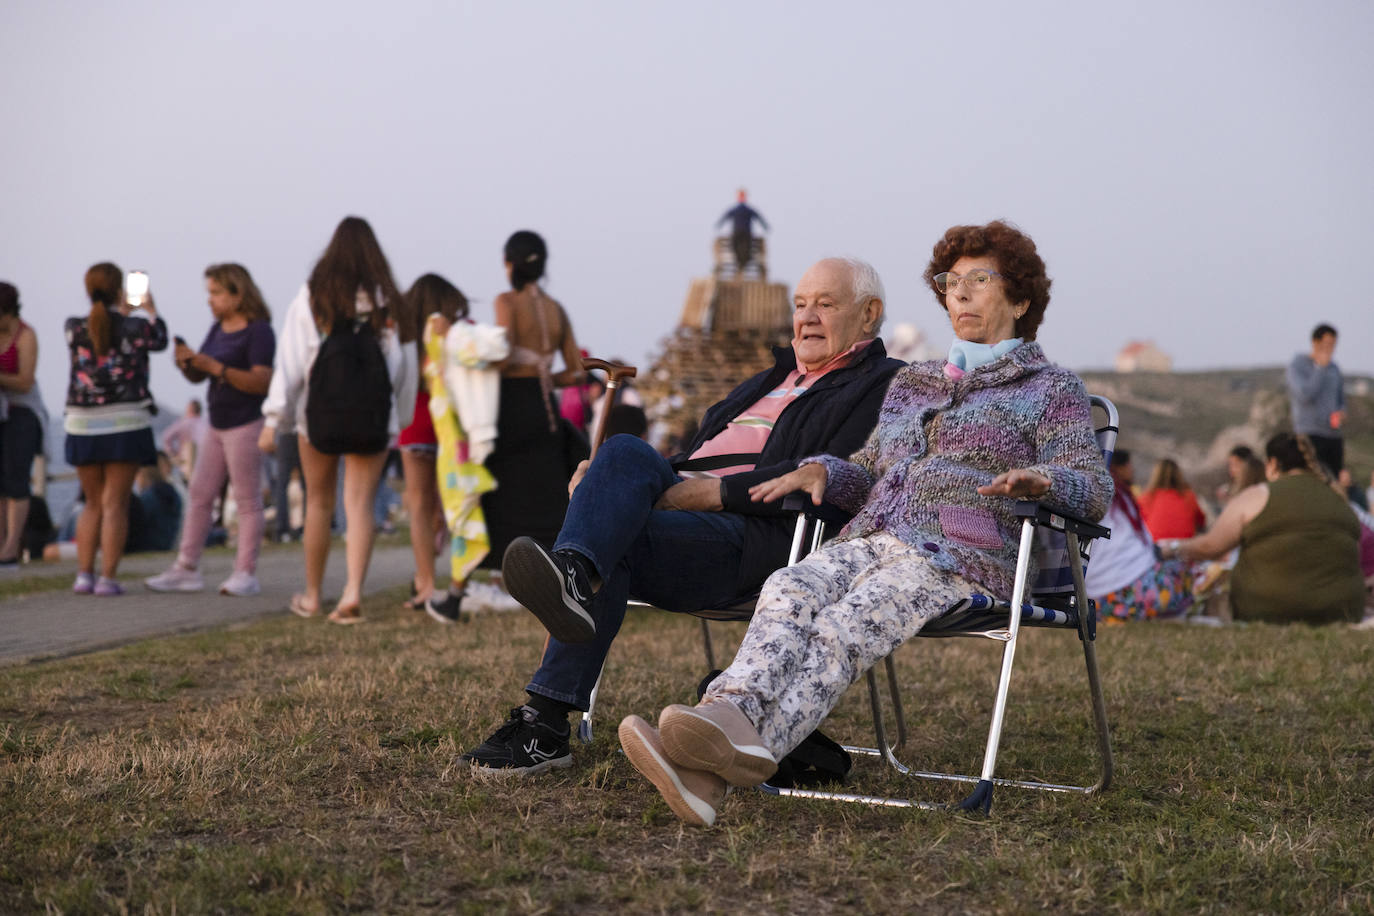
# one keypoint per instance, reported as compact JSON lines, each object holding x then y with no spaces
{"x":726,"y":334}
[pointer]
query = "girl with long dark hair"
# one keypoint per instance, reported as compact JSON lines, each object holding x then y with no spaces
{"x":350,"y":289}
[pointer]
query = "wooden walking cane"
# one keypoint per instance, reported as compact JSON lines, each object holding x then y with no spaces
{"x":614,"y":373}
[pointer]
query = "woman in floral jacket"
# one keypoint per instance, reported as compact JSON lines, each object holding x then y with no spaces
{"x":108,"y":419}
{"x":957,"y":442}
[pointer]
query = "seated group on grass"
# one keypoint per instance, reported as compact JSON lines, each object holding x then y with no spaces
{"x":929,"y":467}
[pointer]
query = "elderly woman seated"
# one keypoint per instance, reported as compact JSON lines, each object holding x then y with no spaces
{"x":933,"y":488}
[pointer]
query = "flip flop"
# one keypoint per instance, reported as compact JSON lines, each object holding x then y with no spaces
{"x":345,"y":620}
{"x":298,"y":607}
{"x":414,"y":602}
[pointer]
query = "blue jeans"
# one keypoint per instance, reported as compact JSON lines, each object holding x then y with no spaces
{"x":678,"y":561}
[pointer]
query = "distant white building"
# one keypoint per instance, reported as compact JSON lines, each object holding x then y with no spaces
{"x":1143,"y":356}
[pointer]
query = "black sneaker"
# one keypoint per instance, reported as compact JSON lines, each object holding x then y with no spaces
{"x":525,"y":744}
{"x":449,"y":610}
{"x":552,"y":586}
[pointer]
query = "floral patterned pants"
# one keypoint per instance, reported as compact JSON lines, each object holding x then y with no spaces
{"x":819,"y":625}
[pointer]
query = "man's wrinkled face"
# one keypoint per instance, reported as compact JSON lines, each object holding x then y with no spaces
{"x":825,"y":319}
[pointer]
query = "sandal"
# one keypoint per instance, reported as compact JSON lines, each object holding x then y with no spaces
{"x":351,"y":616}
{"x":414,"y":602}
{"x":300,"y":609}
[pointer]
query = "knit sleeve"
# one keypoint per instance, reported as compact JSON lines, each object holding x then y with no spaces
{"x":1068,"y":452}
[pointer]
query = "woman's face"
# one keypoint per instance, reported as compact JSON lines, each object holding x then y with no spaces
{"x":223,"y":304}
{"x":981,"y":315}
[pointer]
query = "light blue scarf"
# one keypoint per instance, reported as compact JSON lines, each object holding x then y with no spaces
{"x":967,"y":355}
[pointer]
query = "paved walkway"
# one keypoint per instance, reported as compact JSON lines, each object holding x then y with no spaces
{"x":58,"y":623}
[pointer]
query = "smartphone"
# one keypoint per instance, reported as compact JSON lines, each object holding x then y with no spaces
{"x":179,"y":341}
{"x":136,"y":287}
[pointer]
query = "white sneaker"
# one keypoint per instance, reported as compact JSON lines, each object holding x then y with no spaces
{"x":483,"y":596}
{"x":177,"y":579}
{"x":240,"y":585}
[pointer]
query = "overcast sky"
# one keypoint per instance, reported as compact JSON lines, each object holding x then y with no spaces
{"x":1196,"y":173}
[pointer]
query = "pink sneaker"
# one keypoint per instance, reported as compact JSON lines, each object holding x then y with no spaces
{"x":240,"y":585}
{"x":107,"y":588}
{"x":176,"y":579}
{"x":84,"y":584}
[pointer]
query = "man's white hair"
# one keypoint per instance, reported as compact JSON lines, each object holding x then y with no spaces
{"x":867,"y":285}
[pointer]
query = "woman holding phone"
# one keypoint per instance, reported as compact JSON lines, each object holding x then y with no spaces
{"x":108,"y":419}
{"x":237,"y":359}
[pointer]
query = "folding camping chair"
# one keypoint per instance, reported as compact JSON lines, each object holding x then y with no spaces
{"x":1058,"y":600}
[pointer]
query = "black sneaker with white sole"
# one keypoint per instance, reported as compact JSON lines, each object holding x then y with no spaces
{"x":526,"y":744}
{"x":449,"y":610}
{"x":552,"y":586}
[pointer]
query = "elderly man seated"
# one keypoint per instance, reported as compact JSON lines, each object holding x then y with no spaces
{"x":639,"y":524}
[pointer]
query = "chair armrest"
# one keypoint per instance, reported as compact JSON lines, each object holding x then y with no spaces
{"x":825,"y":512}
{"x":1060,"y":521}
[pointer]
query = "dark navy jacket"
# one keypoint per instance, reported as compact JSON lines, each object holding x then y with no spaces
{"x":834,"y":417}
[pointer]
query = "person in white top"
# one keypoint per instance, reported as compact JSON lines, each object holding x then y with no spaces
{"x":1126,"y":577}
{"x":351,"y":281}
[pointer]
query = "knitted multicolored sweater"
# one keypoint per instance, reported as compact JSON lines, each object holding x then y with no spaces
{"x":938,"y":439}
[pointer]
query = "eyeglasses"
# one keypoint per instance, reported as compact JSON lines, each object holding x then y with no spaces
{"x":976,"y":279}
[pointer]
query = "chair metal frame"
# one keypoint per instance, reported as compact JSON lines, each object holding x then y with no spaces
{"x":971,"y":618}
{"x":998,"y":623}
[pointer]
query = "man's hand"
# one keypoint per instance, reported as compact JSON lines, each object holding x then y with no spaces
{"x":577,"y":476}
{"x":809,"y":478}
{"x":700,"y":495}
{"x":1017,"y":483}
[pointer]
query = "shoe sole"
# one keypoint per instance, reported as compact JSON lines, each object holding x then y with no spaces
{"x":486,"y":772}
{"x":637,"y":742}
{"x":537,"y":584}
{"x":692,"y":740}
{"x":175,"y":588}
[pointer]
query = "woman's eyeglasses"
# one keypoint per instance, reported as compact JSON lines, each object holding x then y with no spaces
{"x":976,"y":280}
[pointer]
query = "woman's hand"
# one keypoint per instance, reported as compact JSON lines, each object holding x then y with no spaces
{"x":1018,"y":483}
{"x":809,"y":478}
{"x":267,"y":440}
{"x":183,"y":356}
{"x":577,"y":476}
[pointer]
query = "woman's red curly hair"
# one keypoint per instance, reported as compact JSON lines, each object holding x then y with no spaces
{"x":1022,"y":270}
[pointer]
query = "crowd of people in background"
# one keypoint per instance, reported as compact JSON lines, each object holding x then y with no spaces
{"x":489,"y":476}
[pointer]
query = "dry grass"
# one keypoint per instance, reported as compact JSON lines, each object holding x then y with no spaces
{"x":291,"y":767}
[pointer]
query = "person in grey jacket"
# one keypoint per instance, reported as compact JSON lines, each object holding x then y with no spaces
{"x":1316,"y":393}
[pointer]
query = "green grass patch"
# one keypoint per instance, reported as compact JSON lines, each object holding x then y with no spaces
{"x":292,"y":767}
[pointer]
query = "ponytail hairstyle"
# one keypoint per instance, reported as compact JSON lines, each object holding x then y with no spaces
{"x":353,"y":263}
{"x":239,"y":282}
{"x":104,"y":285}
{"x":1295,"y":453}
{"x":433,"y":295}
{"x":526,"y":254}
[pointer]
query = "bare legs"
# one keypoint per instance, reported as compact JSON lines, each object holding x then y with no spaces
{"x":422,"y":504}
{"x":362,"y":473}
{"x":13,"y":514}
{"x":104,"y":521}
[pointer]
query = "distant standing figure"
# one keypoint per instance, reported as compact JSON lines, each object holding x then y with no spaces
{"x":237,"y":359}
{"x":741,"y":218}
{"x":1316,"y":394}
{"x":419,"y":443}
{"x":21,"y":426}
{"x":1169,"y":504}
{"x":108,"y":419}
{"x":181,"y":439}
{"x":531,"y":462}
{"x":350,"y":297}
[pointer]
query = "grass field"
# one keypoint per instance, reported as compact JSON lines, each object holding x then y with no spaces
{"x":290,"y":767}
